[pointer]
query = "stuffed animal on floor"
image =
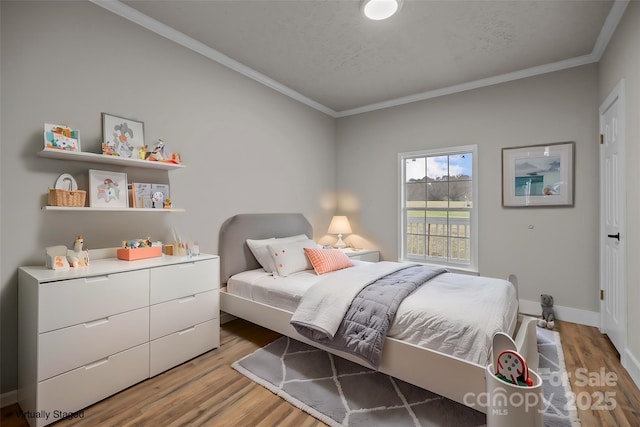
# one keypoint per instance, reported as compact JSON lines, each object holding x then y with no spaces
{"x":548,"y":317}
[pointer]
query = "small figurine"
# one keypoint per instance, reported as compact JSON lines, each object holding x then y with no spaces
{"x":157,"y":200}
{"x":158,"y":153}
{"x":56,"y":257}
{"x":168,"y":204}
{"x":78,"y":257}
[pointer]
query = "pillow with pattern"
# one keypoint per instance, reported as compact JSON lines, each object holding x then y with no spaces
{"x":327,"y":260}
{"x":289,"y":257}
{"x":261,"y":252}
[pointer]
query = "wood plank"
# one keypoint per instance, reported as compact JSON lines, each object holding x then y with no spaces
{"x":207,"y":391}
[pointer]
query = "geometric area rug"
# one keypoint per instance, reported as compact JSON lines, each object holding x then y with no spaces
{"x":342,"y":393}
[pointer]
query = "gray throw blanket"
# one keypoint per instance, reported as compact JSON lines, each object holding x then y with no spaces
{"x":365,"y":325}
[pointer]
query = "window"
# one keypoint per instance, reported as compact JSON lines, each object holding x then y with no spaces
{"x":438,"y":218}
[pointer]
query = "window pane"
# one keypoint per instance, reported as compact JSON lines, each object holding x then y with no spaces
{"x":437,"y":167}
{"x":438,"y":194}
{"x":415,"y":194}
{"x":415,"y":169}
{"x":415,"y":221}
{"x":460,"y":167}
{"x":460,"y":194}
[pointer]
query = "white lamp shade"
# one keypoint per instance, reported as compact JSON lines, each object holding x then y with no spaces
{"x":339,"y":225}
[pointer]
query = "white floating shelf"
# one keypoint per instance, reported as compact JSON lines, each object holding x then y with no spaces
{"x":86,"y":209}
{"x":105,"y":159}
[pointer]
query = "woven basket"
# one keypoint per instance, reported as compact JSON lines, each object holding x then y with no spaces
{"x":59,"y":197}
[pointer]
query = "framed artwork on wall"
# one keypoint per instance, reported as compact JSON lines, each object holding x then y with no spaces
{"x":538,"y":175}
{"x":121,"y":137}
{"x":60,"y":137}
{"x":108,"y":189}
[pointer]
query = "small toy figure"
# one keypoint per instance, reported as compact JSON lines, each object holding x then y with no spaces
{"x":78,"y":257}
{"x":56,"y":257}
{"x":157,"y":200}
{"x":168,"y":204}
{"x":158,"y":153}
{"x":548,"y":316}
{"x":512,"y":368}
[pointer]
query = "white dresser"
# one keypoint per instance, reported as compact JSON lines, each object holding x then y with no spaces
{"x":87,"y":333}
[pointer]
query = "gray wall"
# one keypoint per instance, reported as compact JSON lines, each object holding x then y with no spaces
{"x":246,"y":147}
{"x":559,"y":255}
{"x":621,"y":60}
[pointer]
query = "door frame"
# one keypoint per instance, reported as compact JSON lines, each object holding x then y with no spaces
{"x":618,"y":93}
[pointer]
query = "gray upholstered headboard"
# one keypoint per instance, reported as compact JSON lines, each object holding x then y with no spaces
{"x":235,"y":255}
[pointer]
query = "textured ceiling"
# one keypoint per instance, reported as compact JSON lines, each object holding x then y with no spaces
{"x":328,"y":52}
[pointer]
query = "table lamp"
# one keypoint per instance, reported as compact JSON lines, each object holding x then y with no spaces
{"x":339,"y":225}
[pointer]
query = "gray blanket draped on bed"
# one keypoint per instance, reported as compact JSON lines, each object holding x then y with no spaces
{"x":365,"y":325}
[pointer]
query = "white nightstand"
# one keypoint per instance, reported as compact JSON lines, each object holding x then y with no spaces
{"x":362,"y":254}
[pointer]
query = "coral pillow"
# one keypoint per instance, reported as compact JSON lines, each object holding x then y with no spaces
{"x":326,"y":260}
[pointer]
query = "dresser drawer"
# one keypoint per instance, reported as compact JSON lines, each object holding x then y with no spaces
{"x":179,"y":314}
{"x":65,"y":349}
{"x":169,"y":351}
{"x":81,"y":387}
{"x":75,"y":301}
{"x":181,"y":280}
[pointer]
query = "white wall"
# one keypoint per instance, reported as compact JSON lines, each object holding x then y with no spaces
{"x":560,"y":254}
{"x":621,"y":60}
{"x":246,"y":147}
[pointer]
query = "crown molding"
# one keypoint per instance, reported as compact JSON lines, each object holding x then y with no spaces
{"x":607,"y":31}
{"x":609,"y":27}
{"x":476,"y":84}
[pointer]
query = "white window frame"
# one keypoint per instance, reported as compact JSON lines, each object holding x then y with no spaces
{"x":472,"y":266}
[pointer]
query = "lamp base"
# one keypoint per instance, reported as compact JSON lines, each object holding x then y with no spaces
{"x":340,"y":244}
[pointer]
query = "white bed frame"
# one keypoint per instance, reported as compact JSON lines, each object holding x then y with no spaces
{"x":446,"y":375}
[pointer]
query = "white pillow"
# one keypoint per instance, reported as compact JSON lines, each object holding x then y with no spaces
{"x":289,"y":257}
{"x":261,"y":252}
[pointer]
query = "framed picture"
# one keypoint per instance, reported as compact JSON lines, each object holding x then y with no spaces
{"x":60,"y":137}
{"x":538,"y":175}
{"x":108,"y":189}
{"x":121,"y":137}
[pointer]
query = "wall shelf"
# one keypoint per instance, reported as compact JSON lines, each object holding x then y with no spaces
{"x":81,"y":156}
{"x":87,"y":209}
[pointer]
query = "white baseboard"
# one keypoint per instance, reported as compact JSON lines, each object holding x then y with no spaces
{"x":575,"y":315}
{"x":631,"y":364}
{"x":8,"y":398}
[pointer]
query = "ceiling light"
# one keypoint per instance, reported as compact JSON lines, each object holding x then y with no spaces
{"x":378,"y":10}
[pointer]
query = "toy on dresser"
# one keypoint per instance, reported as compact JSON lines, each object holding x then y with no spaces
{"x":78,"y":256}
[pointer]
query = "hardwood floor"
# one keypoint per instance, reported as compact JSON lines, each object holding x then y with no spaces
{"x":206,"y":391}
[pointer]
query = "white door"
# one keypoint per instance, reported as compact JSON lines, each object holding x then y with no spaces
{"x":613,"y":308}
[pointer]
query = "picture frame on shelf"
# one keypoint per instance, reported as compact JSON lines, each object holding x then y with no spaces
{"x":108,"y":189}
{"x":160,"y":196}
{"x":61,"y":137}
{"x":150,"y":196}
{"x":538,"y":175}
{"x":121,"y":136}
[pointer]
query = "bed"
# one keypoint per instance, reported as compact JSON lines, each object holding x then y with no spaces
{"x":248,"y":293}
